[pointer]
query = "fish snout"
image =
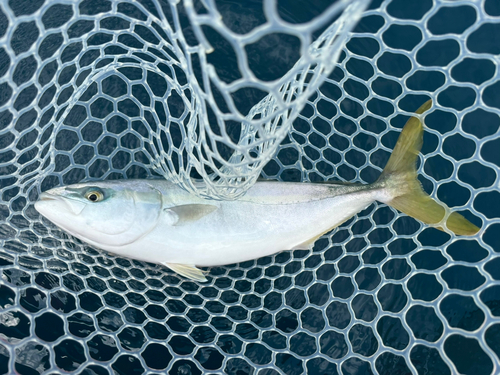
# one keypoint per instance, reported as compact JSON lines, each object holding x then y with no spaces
{"x":50,"y":203}
{"x":45,"y":202}
{"x":46,"y":196}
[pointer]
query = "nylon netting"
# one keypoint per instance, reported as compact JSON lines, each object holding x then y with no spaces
{"x":213,"y":94}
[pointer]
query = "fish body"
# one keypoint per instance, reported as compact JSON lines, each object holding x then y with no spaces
{"x":159,"y":222}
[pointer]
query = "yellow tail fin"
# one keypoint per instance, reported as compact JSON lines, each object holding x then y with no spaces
{"x":400,"y":177}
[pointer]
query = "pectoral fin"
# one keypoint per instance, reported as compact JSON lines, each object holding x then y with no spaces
{"x":189,"y":213}
{"x":188,"y":271}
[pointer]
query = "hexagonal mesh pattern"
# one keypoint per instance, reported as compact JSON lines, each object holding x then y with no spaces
{"x":95,"y":89}
{"x":129,"y":68}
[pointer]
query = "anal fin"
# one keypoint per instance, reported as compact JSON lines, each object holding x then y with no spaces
{"x":188,"y":271}
{"x":306,"y":245}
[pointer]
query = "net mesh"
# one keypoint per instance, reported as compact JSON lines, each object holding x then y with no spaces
{"x":213,"y":94}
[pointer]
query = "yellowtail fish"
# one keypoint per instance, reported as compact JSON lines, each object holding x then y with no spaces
{"x":157,"y":221}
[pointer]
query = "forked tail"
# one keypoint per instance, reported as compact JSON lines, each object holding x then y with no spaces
{"x":400,"y":178}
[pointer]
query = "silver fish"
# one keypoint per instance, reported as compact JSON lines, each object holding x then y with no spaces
{"x":157,"y":221}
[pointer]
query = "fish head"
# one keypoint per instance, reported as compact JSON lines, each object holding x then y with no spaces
{"x":104,"y":214}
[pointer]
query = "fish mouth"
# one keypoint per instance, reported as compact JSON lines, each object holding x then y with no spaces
{"x":46,"y":196}
{"x":45,"y":201}
{"x":51,"y":202}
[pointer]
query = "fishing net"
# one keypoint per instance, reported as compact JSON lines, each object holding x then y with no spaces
{"x":212,"y":95}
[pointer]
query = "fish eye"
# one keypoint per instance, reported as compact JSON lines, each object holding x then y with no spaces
{"x":94,"y":196}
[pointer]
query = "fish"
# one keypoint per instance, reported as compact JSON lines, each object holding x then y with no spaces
{"x":155,"y":220}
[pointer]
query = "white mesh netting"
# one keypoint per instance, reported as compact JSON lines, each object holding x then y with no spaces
{"x":208,"y":91}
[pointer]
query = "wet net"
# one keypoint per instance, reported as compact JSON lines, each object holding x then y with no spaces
{"x":212,"y":95}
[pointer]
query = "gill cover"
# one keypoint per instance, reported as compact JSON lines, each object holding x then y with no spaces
{"x":125,"y":216}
